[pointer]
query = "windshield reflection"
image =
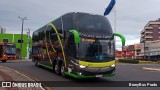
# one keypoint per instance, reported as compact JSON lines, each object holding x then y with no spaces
{"x":96,"y":50}
{"x":10,"y":49}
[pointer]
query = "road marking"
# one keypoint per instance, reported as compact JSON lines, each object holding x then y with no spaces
{"x":135,"y":64}
{"x":152,"y":69}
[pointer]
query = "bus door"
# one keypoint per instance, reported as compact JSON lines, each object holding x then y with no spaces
{"x":70,"y":47}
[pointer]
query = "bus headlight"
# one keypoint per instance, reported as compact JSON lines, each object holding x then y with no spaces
{"x":81,"y":66}
{"x":113,"y":65}
{"x":79,"y":73}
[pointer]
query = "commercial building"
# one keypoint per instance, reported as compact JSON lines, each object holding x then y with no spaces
{"x":2,"y":30}
{"x":149,"y":47}
{"x":150,"y":40}
{"x":14,"y":38}
{"x":118,"y":54}
{"x":153,"y":50}
{"x":132,"y":51}
{"x":151,"y":31}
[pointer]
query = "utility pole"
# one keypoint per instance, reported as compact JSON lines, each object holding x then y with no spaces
{"x":29,"y":34}
{"x":22,"y":36}
{"x":28,"y":43}
{"x":29,"y":37}
{"x":144,"y":46}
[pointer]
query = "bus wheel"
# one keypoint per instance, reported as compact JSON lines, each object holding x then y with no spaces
{"x":36,"y":63}
{"x":62,"y":70}
{"x":4,"y":60}
{"x":57,"y":69}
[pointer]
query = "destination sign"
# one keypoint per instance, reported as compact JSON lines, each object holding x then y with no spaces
{"x":94,"y":36}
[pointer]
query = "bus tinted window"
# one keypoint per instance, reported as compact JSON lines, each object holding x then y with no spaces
{"x":93,"y":24}
{"x":68,"y":22}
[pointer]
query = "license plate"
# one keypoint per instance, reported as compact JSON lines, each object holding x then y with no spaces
{"x":98,"y":75}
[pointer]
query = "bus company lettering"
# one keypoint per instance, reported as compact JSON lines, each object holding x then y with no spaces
{"x":86,"y":35}
{"x":93,"y":36}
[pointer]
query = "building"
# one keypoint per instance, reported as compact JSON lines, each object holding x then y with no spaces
{"x":118,"y":54}
{"x":150,"y":40}
{"x":153,"y":50}
{"x":14,"y":38}
{"x":151,"y":31}
{"x":2,"y":30}
{"x":132,"y":51}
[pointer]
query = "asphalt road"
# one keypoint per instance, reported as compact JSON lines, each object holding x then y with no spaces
{"x":124,"y":72}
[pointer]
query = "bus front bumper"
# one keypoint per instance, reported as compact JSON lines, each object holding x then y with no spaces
{"x":81,"y":73}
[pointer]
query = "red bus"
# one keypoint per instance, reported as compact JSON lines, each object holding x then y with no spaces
{"x":7,"y":51}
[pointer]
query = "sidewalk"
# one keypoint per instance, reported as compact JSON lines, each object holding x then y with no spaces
{"x":7,"y":74}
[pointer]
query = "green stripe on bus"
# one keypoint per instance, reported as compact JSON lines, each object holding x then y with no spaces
{"x":76,"y":36}
{"x":93,"y":76}
{"x":77,"y":76}
{"x":46,"y":66}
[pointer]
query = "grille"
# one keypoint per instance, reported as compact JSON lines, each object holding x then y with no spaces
{"x":104,"y":69}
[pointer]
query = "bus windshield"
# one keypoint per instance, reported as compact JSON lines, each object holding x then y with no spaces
{"x":93,"y":25}
{"x":96,"y":50}
{"x":10,"y":49}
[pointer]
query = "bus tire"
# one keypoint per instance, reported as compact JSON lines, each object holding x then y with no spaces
{"x":36,"y":63}
{"x":4,"y":61}
{"x":62,"y":68}
{"x":57,"y":68}
{"x":53,"y":66}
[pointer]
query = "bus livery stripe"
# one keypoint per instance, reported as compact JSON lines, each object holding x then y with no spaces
{"x":98,"y":64}
{"x":51,"y":43}
{"x":51,"y":24}
{"x":47,"y":50}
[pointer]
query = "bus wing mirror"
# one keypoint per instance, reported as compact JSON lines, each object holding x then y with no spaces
{"x":122,"y":38}
{"x":76,"y":36}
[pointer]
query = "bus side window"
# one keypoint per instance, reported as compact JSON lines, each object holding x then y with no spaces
{"x":44,"y":50}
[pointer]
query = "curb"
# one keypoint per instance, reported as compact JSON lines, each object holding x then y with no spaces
{"x":20,"y":60}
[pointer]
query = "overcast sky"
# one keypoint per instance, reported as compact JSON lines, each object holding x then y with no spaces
{"x":131,"y":15}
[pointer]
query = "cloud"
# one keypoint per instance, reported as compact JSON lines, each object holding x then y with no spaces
{"x":132,"y":15}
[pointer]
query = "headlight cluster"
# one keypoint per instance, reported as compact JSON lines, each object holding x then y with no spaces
{"x":81,"y":66}
{"x":113,"y":65}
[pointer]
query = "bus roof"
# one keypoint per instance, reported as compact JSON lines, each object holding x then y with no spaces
{"x":84,"y":23}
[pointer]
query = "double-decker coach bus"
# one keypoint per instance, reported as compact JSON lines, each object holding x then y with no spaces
{"x":7,"y":51}
{"x":77,"y":44}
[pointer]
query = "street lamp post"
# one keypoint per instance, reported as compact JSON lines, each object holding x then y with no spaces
{"x":29,"y":36}
{"x":22,"y":35}
{"x":28,"y":44}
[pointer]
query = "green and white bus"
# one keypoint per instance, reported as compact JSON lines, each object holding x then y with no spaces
{"x":77,"y":44}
